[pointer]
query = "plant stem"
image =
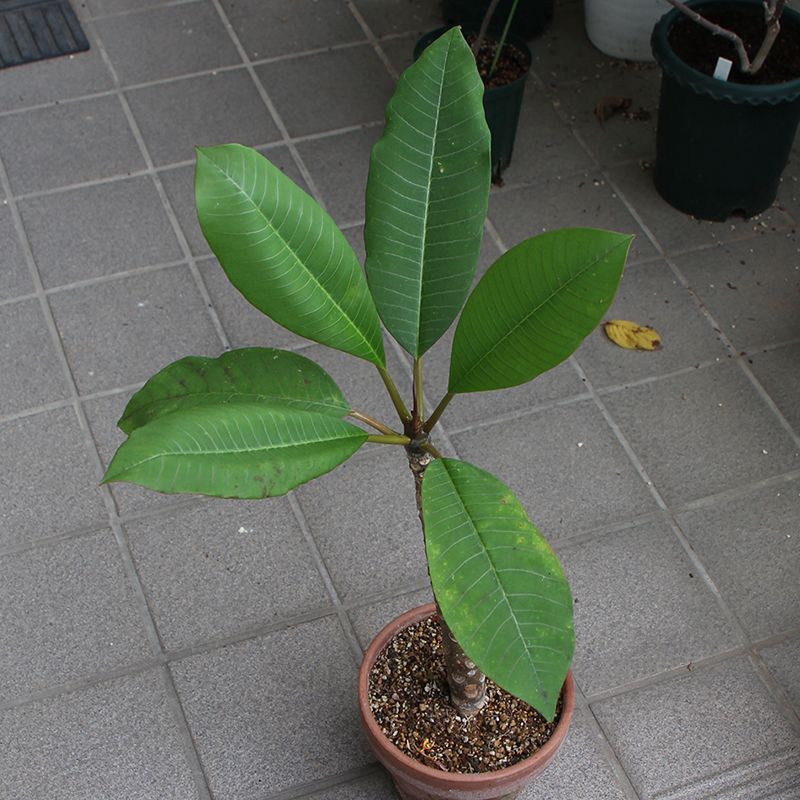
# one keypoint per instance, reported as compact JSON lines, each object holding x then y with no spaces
{"x":418,"y":411}
{"x":772,"y":13}
{"x":467,"y":684}
{"x":477,"y":44}
{"x":373,"y":423}
{"x":502,"y":43}
{"x":396,"y":438}
{"x":438,"y":411}
{"x":397,"y":401}
{"x":429,"y":448}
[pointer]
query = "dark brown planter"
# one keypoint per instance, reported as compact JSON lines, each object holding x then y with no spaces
{"x":415,"y":781}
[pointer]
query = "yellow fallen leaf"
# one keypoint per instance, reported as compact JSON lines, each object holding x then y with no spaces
{"x":631,"y":335}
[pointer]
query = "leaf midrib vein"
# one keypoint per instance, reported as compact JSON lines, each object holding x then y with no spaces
{"x":534,"y":310}
{"x":251,"y":201}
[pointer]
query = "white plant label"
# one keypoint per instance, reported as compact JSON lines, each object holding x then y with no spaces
{"x":723,"y":69}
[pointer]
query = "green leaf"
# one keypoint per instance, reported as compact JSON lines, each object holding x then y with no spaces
{"x":283,"y":252}
{"x":427,"y":194}
{"x":252,"y":374}
{"x":498,"y":582}
{"x":534,"y":306}
{"x":241,"y":450}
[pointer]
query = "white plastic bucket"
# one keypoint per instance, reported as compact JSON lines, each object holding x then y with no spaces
{"x":622,"y":28}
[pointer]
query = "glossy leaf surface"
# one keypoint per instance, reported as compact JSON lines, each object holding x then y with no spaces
{"x":283,"y":252}
{"x":498,"y":582}
{"x":427,"y":194}
{"x":252,"y":374}
{"x":534,"y":306}
{"x":241,"y":450}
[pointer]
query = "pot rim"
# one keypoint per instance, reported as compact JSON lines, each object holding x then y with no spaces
{"x":737,"y":93}
{"x":457,"y":779}
{"x":518,"y":42}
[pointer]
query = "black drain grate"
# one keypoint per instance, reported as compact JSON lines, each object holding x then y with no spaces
{"x":31,"y":30}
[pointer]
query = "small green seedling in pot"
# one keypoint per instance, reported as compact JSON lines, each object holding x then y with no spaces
{"x":257,"y":422}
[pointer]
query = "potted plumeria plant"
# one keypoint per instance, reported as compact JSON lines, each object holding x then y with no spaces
{"x":730,"y":104}
{"x":257,"y":422}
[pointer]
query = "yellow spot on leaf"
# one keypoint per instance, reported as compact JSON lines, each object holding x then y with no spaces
{"x":631,"y":335}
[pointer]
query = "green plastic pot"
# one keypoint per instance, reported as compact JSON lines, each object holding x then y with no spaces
{"x":721,"y":147}
{"x":501,"y":104}
{"x":530,"y":18}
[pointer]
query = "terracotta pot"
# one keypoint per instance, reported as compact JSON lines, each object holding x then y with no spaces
{"x":415,"y":781}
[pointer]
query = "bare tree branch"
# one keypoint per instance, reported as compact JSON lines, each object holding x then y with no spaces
{"x":484,"y":27}
{"x":773,"y":9}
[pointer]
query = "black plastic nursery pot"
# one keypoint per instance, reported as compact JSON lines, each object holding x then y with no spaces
{"x":502,"y":104}
{"x":530,"y":18}
{"x":721,"y":147}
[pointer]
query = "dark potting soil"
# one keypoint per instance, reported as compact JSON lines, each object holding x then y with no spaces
{"x":411,"y":704}
{"x":699,"y":48}
{"x":512,"y":64}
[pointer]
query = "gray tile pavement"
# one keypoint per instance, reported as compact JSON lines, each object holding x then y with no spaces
{"x":577,"y":476}
{"x":751,"y":548}
{"x":154,"y":646}
{"x":115,"y":738}
{"x":269,"y":30}
{"x":56,"y":146}
{"x":733,"y":742}
{"x":166,"y":41}
{"x":73,"y":608}
{"x":120,"y":225}
{"x":223,"y":106}
{"x":646,"y":610}
{"x":784,"y":662}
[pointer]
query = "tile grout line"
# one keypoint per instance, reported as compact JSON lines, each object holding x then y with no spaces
{"x":88,"y":16}
{"x":172,"y":166}
{"x":670,"y":518}
{"x":519,"y":414}
{"x":85,"y":682}
{"x":159,"y":186}
{"x":168,"y":657}
{"x":372,"y":39}
{"x":47,"y":542}
{"x":681,"y":279}
{"x":749,"y":374}
{"x":684,"y":282}
{"x":601,"y":740}
{"x":299,"y":515}
{"x":668,"y":674}
{"x":88,"y":441}
{"x":772,"y":685}
{"x":127,"y":273}
{"x":311,"y":788}
{"x":190,"y":752}
{"x":322,"y":568}
{"x":737,"y":491}
{"x":608,"y":749}
{"x":286,"y":139}
{"x":184,"y":76}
